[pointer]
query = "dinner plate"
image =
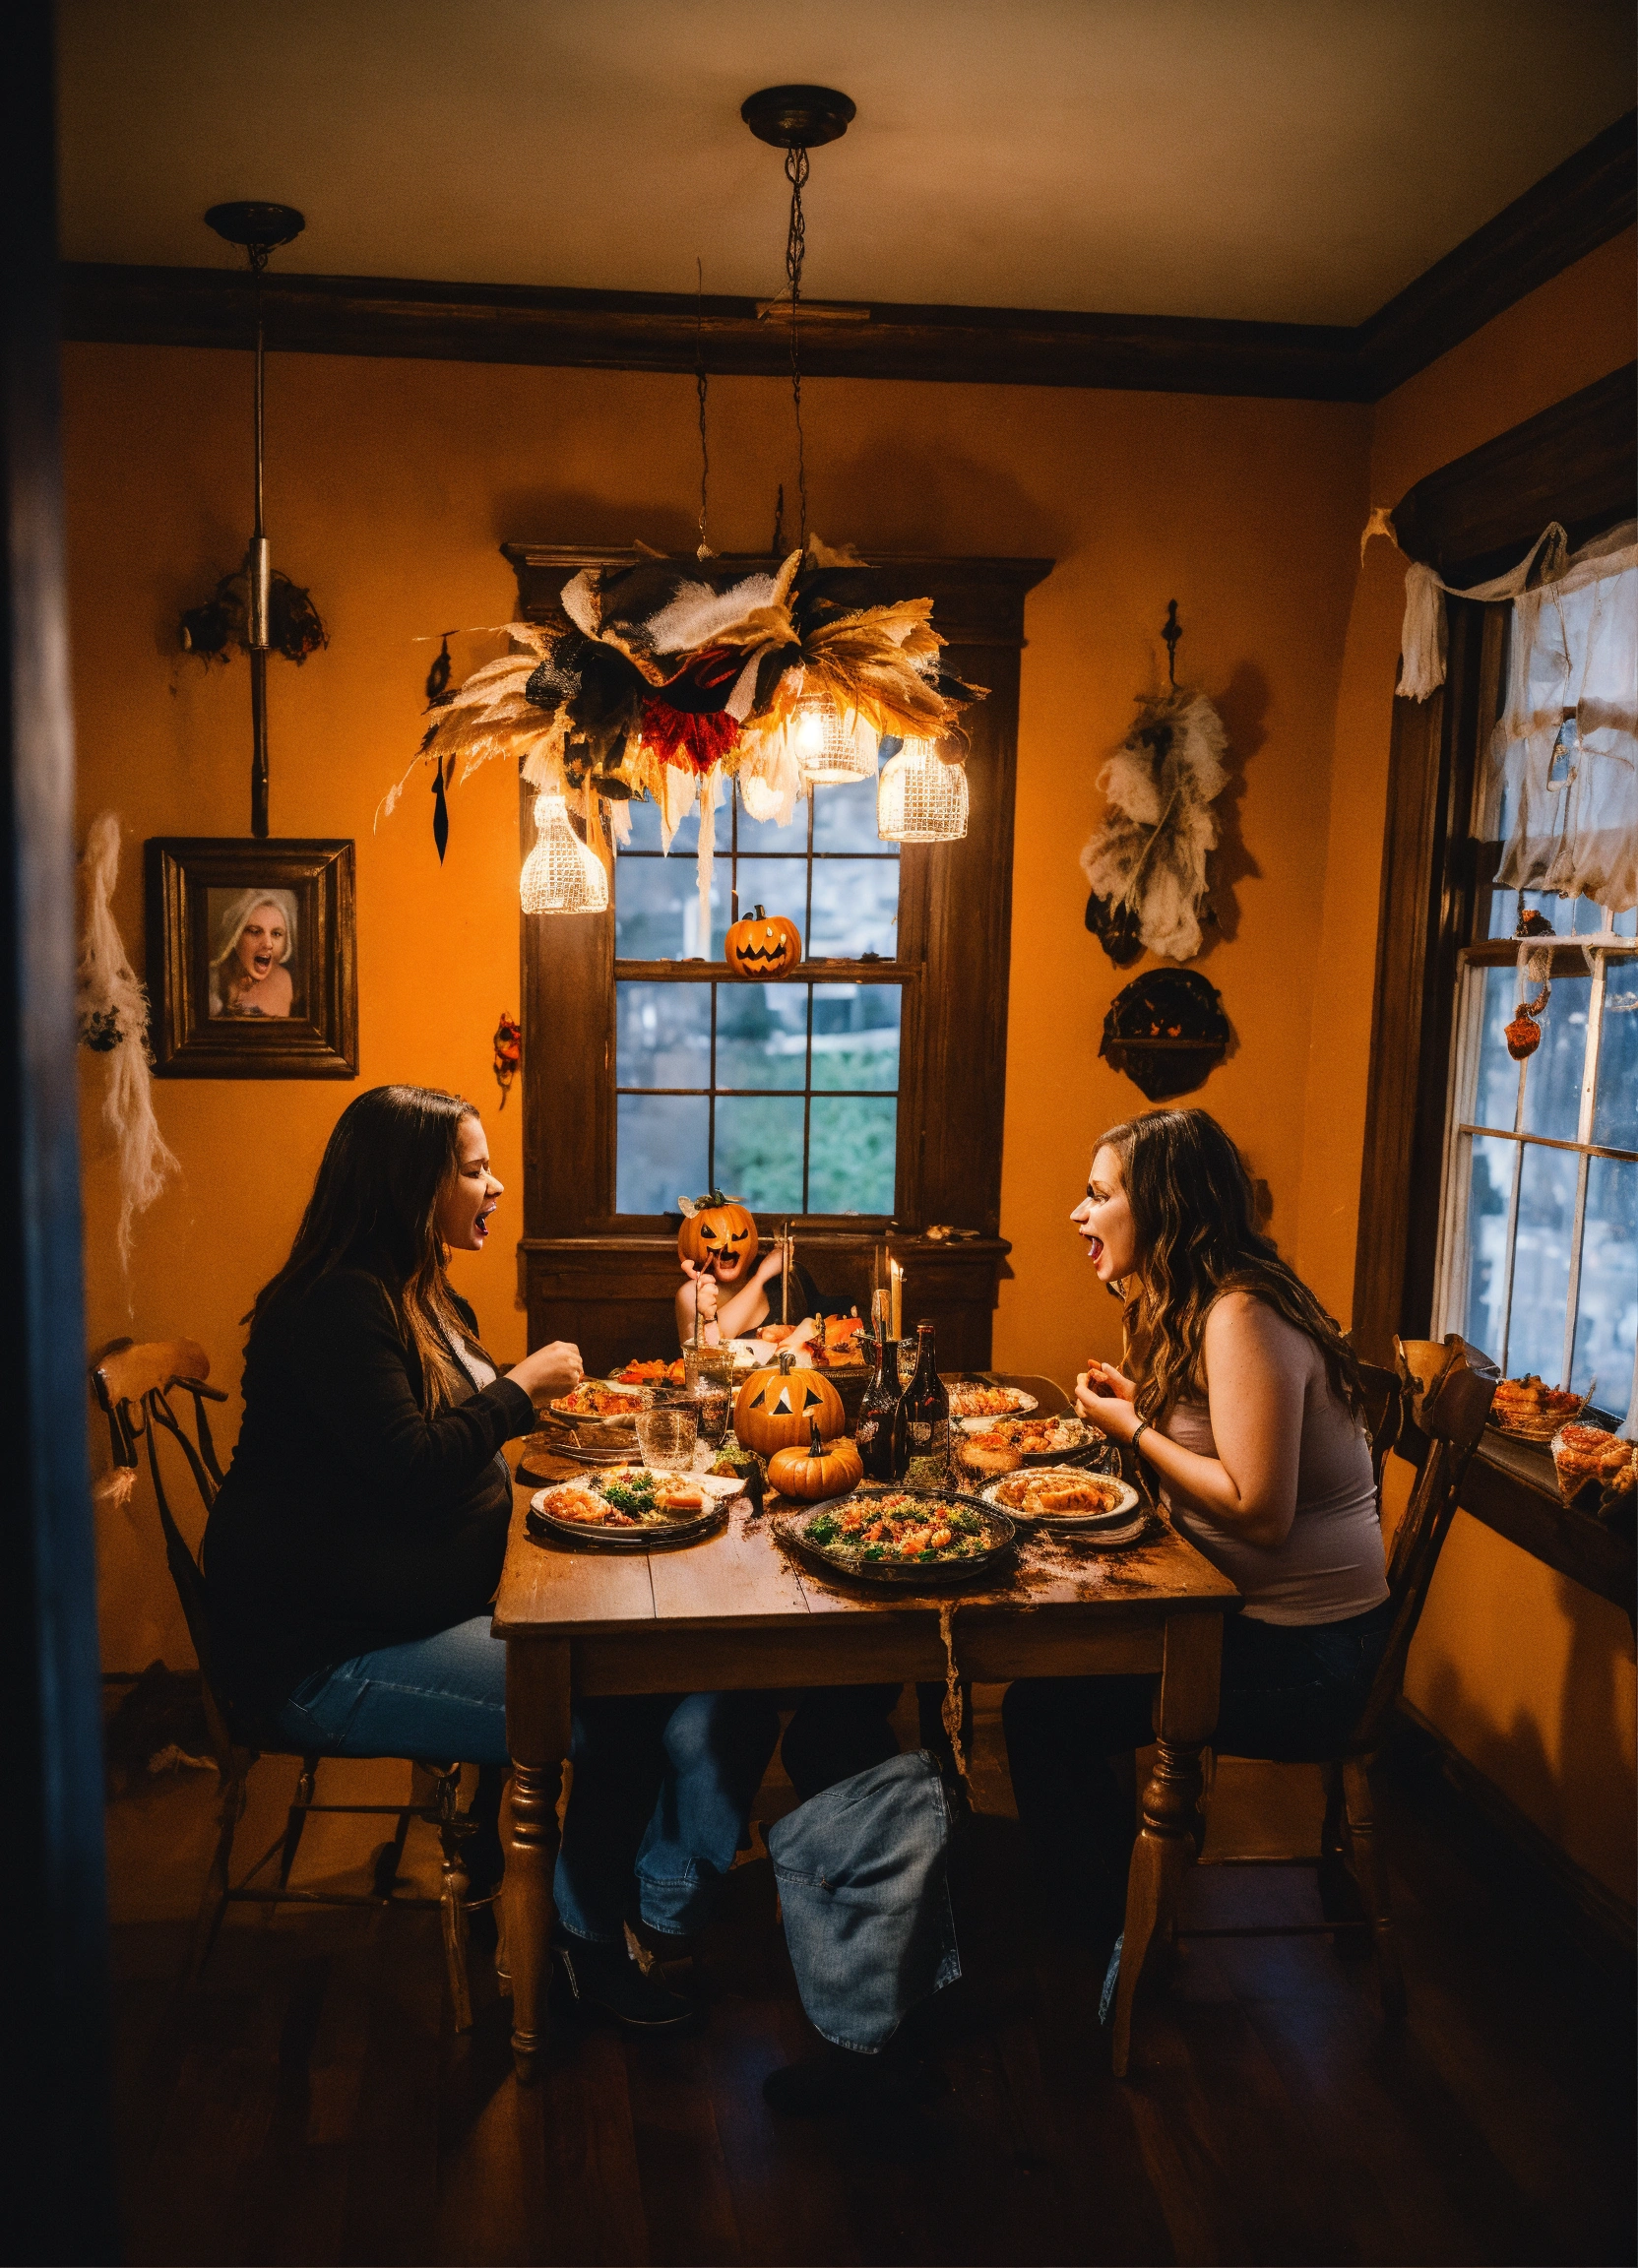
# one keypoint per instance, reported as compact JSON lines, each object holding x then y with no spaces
{"x":1072,"y":1432}
{"x":650,"y":1535}
{"x":1119,"y":1515}
{"x":1019,"y":1404}
{"x":999,"y":1536}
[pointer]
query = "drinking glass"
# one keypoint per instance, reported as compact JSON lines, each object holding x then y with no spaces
{"x":666,"y":1437}
{"x":712,"y":1406}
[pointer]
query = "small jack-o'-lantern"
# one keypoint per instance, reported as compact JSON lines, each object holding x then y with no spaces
{"x":775,"y":1409}
{"x":717,"y":1231}
{"x":763,"y":945}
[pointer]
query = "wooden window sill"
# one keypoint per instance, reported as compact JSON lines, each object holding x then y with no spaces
{"x":1511,"y":1487}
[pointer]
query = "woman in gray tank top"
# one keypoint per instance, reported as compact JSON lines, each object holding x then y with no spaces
{"x":1244,"y":1398}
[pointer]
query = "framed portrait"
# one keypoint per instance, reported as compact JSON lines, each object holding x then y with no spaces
{"x":252,"y":969}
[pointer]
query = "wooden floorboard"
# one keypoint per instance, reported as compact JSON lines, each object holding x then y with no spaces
{"x":308,"y":2102}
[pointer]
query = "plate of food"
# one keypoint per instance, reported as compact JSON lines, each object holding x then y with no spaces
{"x":656,"y":1373}
{"x":977,"y":1399}
{"x":628,"y":1508}
{"x":1088,"y":1503}
{"x":596,"y":1403}
{"x":900,"y":1536}
{"x":1032,"y":1437}
{"x":1532,"y":1411}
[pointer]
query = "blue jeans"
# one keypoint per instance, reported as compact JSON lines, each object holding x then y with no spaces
{"x":661,"y":1784}
{"x":1290,"y":1691}
{"x":864,"y":1892}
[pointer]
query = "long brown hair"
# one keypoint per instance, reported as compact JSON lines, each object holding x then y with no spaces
{"x":374,"y":1207}
{"x":1196,"y":1224}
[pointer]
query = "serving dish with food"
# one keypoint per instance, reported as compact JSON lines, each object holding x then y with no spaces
{"x":900,"y":1536}
{"x":1595,"y":1468}
{"x":594,"y":1402}
{"x":1032,"y":1437}
{"x":628,"y":1508}
{"x":656,"y":1373}
{"x":979,"y":1399}
{"x":1531,"y":1410}
{"x":1090,"y":1502}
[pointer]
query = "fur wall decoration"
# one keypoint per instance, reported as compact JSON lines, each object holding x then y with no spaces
{"x":113,"y":1022}
{"x":1145,"y":865}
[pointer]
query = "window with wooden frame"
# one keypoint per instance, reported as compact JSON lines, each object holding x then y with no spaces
{"x":1497,"y":1201}
{"x":860,"y":1097}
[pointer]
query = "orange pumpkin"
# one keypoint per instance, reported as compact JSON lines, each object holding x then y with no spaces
{"x":718,"y":1229}
{"x":763,"y":945}
{"x":813,"y":1474}
{"x":775,"y":1408}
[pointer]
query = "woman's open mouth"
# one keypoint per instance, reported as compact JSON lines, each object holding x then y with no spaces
{"x":1095,"y":1246}
{"x":261,"y":963}
{"x":482,"y":1224}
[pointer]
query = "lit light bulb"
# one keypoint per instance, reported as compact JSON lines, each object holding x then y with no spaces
{"x":561,"y":875}
{"x":830,"y":748}
{"x":922,"y":799}
{"x":759,"y":797}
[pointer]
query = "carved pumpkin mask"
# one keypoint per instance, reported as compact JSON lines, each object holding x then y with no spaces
{"x":719,"y":1234}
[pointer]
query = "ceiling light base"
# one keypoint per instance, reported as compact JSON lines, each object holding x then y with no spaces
{"x":797,"y":117}
{"x":258,"y":228}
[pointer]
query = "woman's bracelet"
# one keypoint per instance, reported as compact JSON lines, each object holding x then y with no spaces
{"x":1143,"y":1428}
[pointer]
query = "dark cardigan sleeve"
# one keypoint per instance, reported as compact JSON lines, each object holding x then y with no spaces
{"x":356,"y":1374}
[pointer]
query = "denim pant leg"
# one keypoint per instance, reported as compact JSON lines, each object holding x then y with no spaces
{"x":717,"y":1749}
{"x":440,"y":1700}
{"x":619,"y":1758}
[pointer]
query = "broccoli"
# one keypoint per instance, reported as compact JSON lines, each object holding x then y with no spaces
{"x":823,"y":1530}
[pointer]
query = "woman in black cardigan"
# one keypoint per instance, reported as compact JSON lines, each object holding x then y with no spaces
{"x":357,"y":1540}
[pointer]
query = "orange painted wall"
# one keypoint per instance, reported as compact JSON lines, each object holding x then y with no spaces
{"x":1529,"y":1675}
{"x":390,"y":487}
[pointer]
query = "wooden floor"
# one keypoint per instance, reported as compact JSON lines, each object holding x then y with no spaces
{"x":310,"y":2103}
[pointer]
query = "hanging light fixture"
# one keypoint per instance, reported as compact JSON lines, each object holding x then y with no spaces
{"x":561,"y":875}
{"x":831,"y":747}
{"x":922,"y":799}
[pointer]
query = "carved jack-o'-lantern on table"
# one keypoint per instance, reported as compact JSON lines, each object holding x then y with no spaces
{"x":775,"y":1409}
{"x":717,"y":1231}
{"x":763,"y":945}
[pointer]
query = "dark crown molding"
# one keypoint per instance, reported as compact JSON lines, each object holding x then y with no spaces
{"x":1576,"y":207}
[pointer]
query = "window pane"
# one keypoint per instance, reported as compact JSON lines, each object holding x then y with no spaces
{"x":1490,"y":1179}
{"x":761,"y":1038}
{"x":851,"y":1141}
{"x":656,"y":907}
{"x":1542,"y":1262}
{"x":855,"y":1036}
{"x":855,"y":906}
{"x":759,"y":1151}
{"x":1496,"y":1092}
{"x":763,"y":834}
{"x":1568,"y":916}
{"x":663,"y":1036}
{"x":844,"y":818}
{"x":1606,"y":1313}
{"x":1553,"y":1074}
{"x":663,"y":1141}
{"x":1616,"y":1115}
{"x":777,"y":885}
{"x":645,"y":829}
{"x":1625,"y":924}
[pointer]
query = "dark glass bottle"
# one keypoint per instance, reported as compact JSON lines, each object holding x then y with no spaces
{"x":880,"y":1433}
{"x":926,"y":1414}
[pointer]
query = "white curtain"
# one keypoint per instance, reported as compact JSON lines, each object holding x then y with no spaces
{"x":1565,"y":753}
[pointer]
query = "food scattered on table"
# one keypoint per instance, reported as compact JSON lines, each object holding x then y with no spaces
{"x":656,"y":1373}
{"x":1032,"y":1436}
{"x":591,"y":1399}
{"x":1531,"y":1409}
{"x":867,"y":1531}
{"x":1057,"y":1495}
{"x":989,"y":1401}
{"x":1582,"y":1454}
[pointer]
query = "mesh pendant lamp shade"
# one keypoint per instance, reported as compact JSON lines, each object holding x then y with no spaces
{"x":920,"y":798}
{"x":830,"y":748}
{"x":561,"y":875}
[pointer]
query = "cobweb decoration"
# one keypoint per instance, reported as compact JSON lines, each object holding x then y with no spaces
{"x":113,"y":1022}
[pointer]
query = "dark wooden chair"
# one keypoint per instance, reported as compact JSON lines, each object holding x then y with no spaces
{"x":134,"y":1385}
{"x":1444,"y":1391}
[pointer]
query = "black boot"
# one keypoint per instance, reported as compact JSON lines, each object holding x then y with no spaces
{"x":605,"y":1979}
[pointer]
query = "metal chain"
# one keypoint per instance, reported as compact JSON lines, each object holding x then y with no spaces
{"x":795,"y":248}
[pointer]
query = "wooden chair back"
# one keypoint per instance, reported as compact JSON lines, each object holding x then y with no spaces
{"x":133,"y":1384}
{"x":1447,"y":1397}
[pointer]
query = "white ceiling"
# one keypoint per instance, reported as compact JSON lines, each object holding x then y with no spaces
{"x":1293,"y":159}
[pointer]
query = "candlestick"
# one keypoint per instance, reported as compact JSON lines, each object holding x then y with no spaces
{"x":895,"y":1296}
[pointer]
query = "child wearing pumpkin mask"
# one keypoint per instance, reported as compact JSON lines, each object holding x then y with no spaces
{"x":724,"y":1293}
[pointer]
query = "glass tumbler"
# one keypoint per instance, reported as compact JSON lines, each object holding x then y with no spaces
{"x":665,"y":1436}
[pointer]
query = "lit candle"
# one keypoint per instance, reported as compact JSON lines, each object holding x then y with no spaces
{"x":896,"y":1294}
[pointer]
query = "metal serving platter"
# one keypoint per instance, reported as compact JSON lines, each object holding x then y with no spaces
{"x":1000,"y":1534}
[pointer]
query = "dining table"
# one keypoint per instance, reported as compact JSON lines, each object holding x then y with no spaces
{"x":736,"y":1609}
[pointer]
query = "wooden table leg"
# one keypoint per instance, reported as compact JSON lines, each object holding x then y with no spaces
{"x":538,"y":1734}
{"x":1185,"y":1718}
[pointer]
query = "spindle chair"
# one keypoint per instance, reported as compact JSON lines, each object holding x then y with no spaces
{"x":1443,"y":1393}
{"x":133,"y":1386}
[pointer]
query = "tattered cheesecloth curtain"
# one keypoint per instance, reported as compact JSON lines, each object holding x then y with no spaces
{"x":1564,"y":756}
